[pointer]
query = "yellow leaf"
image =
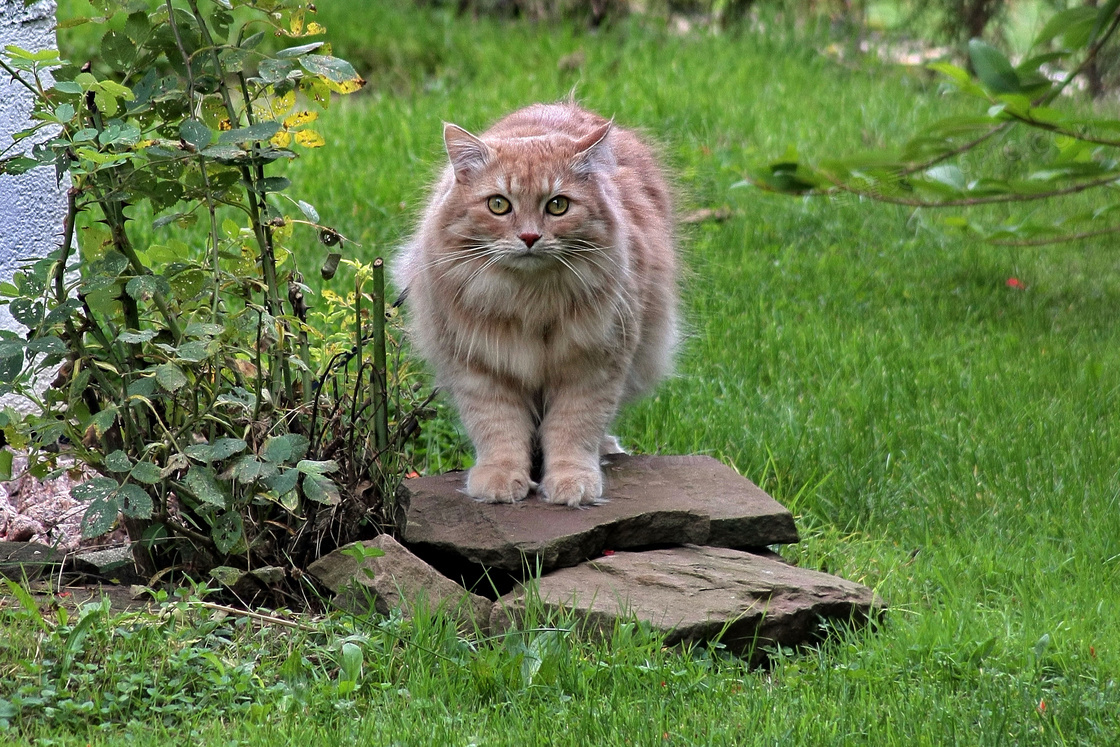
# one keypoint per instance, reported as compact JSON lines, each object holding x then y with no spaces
{"x":224,"y":124}
{"x":296,"y":23}
{"x":301,"y":118}
{"x":281,"y":139}
{"x":310,"y":139}
{"x":316,"y":89}
{"x":275,"y":107}
{"x":313,"y":29}
{"x":347,"y":86}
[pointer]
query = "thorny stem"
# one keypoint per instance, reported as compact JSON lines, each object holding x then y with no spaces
{"x":381,"y":413}
{"x":201,"y":163}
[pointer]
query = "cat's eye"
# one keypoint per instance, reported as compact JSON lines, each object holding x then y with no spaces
{"x":557,"y":205}
{"x":498,"y":205}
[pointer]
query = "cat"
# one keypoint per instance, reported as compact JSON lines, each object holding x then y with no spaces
{"x":541,"y":285}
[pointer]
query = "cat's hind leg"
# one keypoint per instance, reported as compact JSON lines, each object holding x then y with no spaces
{"x":609,"y":444}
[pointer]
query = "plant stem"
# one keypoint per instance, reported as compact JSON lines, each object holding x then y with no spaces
{"x":381,"y":409}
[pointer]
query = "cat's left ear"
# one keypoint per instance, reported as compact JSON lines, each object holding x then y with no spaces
{"x":594,"y":150}
{"x":467,"y":153}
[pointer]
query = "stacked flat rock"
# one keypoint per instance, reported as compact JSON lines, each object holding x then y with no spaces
{"x":681,"y":542}
{"x":650,"y":501}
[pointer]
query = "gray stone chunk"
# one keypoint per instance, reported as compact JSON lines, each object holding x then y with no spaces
{"x":113,"y":560}
{"x":397,"y":579}
{"x":652,"y":500}
{"x":30,"y":559}
{"x":694,"y":594}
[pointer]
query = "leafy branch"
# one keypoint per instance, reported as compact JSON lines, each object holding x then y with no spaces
{"x":1074,"y":153}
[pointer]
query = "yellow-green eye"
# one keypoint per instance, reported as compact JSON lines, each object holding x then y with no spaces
{"x":557,"y":205}
{"x":498,"y":205}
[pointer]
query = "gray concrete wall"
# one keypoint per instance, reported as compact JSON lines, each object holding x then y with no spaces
{"x":32,"y":206}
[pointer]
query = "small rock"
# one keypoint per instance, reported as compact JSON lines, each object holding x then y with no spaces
{"x":396,"y":579}
{"x":696,"y":594}
{"x":26,"y":559}
{"x":653,"y":500}
{"x":23,"y":528}
{"x":113,"y":562}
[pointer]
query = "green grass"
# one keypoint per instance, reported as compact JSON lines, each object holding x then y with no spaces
{"x":942,"y":437}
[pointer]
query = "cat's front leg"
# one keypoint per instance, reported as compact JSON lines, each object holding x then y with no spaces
{"x":575,"y":421}
{"x":500,"y":426}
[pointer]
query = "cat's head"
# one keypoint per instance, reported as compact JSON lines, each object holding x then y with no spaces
{"x":530,"y":202}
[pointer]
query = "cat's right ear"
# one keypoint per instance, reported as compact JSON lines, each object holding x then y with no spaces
{"x":468,"y":154}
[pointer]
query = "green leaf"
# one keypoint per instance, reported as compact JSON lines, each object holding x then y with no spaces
{"x":993,"y":68}
{"x":143,"y":287}
{"x":252,"y":133}
{"x":103,"y":421}
{"x":308,"y":211}
{"x":224,"y":152}
{"x":227,"y":576}
{"x":283,"y":482}
{"x":203,"y":329}
{"x":274,"y":71}
{"x":204,"y":484}
{"x":196,"y":133}
{"x":949,"y":175}
{"x":227,"y":531}
{"x":331,"y":68}
{"x":101,"y":492}
{"x":272,"y":184}
{"x":221,"y":449}
{"x":6,"y":460}
{"x":194,"y":351}
{"x":146,"y":472}
{"x":49,"y":345}
{"x":282,"y":449}
{"x":351,"y":664}
{"x":117,"y":50}
{"x":302,"y":49}
{"x":249,"y":469}
{"x":170,"y":377}
{"x":321,"y":489}
{"x":311,"y":467}
{"x":133,"y":337}
{"x":118,"y":461}
{"x":1068,"y":22}
{"x":134,"y":501}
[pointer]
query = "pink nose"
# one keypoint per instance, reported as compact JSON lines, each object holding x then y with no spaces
{"x":529,"y":238}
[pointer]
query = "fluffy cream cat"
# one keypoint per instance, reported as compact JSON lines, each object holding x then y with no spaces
{"x":542,"y":287}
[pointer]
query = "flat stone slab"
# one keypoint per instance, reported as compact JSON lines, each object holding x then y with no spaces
{"x":694,"y":594}
{"x":397,"y":579}
{"x":652,"y":500}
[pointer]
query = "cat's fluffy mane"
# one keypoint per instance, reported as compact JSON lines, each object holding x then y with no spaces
{"x":541,"y":314}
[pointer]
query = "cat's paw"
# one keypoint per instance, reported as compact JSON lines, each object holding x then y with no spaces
{"x":497,"y":483}
{"x":573,"y":485}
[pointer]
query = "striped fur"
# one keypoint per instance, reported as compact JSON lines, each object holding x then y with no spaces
{"x":540,"y":340}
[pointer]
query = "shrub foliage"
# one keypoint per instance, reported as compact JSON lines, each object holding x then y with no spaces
{"x":213,"y":417}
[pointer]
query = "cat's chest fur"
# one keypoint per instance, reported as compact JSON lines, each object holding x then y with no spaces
{"x":532,"y":333}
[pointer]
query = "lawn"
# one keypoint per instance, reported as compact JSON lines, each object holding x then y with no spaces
{"x":941,"y":436}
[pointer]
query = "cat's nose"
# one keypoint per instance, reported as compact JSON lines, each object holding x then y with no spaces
{"x":529,"y":238}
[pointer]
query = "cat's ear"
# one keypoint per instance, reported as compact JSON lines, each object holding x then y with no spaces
{"x":467,"y":153}
{"x":593,"y":151}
